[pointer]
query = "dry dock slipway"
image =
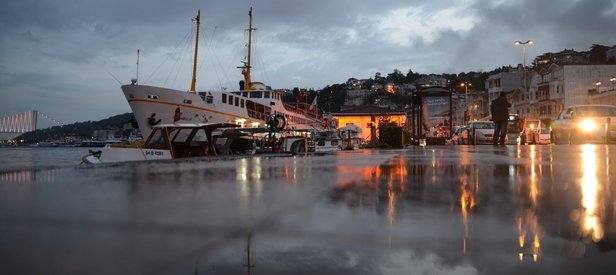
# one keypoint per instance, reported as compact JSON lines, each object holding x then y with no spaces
{"x":422,"y":210}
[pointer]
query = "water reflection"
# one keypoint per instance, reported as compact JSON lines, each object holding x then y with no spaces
{"x":467,"y":204}
{"x":398,"y":183}
{"x":533,"y":181}
{"x":589,"y":185}
{"x":527,"y":220}
{"x":28,"y":176}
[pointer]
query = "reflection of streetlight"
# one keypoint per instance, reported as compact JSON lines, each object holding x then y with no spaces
{"x":613,"y":79}
{"x":465,"y":85}
{"x":523,"y":44}
{"x":598,"y":84}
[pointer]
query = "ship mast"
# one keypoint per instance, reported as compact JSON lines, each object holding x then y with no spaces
{"x":247,"y":66}
{"x":194,"y":72}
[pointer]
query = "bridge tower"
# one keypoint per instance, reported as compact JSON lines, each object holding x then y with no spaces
{"x":19,"y":123}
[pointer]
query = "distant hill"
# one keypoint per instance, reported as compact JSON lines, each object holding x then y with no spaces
{"x":82,"y":129}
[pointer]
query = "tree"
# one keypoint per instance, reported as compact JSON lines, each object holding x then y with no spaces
{"x":411,"y":77}
{"x":351,"y":83}
{"x":378,"y":78}
{"x":396,"y":77}
{"x":367,"y":85}
{"x":331,"y":98}
{"x":598,"y":54}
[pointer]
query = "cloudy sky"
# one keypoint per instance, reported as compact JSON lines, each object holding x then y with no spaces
{"x":67,"y":58}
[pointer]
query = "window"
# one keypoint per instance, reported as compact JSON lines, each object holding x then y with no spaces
{"x":266,"y":94}
{"x":230,"y":100}
{"x":153,"y":96}
{"x":237,"y":101}
{"x":224,"y":98}
{"x":181,"y":136}
{"x":596,"y":111}
{"x":242,"y":103}
{"x":157,"y":140}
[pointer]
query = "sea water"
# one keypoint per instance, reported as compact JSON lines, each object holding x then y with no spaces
{"x":36,"y":158}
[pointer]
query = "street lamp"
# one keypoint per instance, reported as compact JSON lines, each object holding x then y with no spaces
{"x":613,"y":79}
{"x":465,"y":85}
{"x":523,"y":44}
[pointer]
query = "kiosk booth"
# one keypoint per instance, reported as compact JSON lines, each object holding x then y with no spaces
{"x":431,"y":114}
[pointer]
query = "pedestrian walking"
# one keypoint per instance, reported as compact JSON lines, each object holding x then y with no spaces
{"x":500,"y":115}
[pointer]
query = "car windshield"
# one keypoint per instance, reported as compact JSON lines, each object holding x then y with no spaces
{"x":595,"y":111}
{"x":484,"y":126}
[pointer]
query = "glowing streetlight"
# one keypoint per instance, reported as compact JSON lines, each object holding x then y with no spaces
{"x":523,"y":44}
{"x":613,"y":79}
{"x":465,"y":85}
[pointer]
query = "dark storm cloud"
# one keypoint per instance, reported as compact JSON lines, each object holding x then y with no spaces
{"x":553,"y":24}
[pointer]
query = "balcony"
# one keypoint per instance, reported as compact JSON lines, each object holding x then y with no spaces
{"x":543,"y":93}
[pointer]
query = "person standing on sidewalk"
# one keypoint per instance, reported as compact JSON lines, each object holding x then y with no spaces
{"x":500,"y":115}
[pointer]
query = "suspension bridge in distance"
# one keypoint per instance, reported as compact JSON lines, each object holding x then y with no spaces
{"x":24,"y":122}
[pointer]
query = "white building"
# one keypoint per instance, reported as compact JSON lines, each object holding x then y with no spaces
{"x":356,"y":97}
{"x":559,"y":86}
{"x":405,"y":89}
{"x":508,"y":81}
{"x":431,"y":81}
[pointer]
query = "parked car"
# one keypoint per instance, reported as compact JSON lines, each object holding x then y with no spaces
{"x":541,"y":136}
{"x":481,"y":132}
{"x":585,"y":124}
{"x":513,"y":130}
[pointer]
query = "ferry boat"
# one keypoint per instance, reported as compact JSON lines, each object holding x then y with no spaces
{"x":252,"y":106}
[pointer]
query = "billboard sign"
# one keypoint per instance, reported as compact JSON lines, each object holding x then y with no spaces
{"x":436,"y":116}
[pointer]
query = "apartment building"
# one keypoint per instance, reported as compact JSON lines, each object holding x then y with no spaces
{"x":557,"y":86}
{"x":507,"y":81}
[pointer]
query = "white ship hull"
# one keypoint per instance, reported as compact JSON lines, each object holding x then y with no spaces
{"x":154,"y":105}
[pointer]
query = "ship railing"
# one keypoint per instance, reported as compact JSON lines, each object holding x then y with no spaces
{"x":303,"y":111}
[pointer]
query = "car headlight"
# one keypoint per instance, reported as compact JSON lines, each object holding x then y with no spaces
{"x":588,"y":125}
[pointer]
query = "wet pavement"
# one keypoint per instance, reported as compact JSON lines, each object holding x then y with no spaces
{"x":421,"y":210}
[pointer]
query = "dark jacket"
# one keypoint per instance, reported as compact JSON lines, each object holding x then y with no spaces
{"x":500,"y":109}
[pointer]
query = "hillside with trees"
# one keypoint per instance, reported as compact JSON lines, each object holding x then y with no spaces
{"x":83,"y":130}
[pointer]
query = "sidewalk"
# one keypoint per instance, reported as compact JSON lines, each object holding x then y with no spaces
{"x":421,"y":210}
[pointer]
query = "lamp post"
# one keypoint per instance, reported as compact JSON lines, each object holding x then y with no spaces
{"x":523,"y":44}
{"x":465,"y":85}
